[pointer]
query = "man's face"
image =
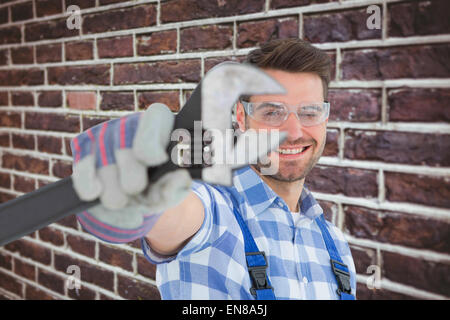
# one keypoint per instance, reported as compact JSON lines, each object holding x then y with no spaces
{"x":300,"y":87}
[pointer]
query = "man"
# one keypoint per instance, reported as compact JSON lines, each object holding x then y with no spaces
{"x":199,"y":244}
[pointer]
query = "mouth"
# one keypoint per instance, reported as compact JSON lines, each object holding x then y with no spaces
{"x":293,"y":152}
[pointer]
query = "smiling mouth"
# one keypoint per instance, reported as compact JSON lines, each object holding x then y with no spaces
{"x":292,"y":150}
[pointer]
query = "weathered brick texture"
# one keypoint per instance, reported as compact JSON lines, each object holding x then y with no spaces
{"x":384,"y":178}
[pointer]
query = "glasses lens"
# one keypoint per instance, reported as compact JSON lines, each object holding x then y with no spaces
{"x":311,"y":114}
{"x":269,"y":113}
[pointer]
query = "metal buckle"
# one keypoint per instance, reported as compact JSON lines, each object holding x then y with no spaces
{"x":258,"y":274}
{"x":342,"y":277}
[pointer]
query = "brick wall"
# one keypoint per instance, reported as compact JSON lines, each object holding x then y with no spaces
{"x":384,"y":178}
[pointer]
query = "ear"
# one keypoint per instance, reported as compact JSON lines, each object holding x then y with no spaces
{"x":240,"y":116}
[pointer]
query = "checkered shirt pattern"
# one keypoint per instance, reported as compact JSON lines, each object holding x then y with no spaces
{"x":212,"y":264}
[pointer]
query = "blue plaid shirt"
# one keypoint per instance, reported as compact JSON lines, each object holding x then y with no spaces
{"x":212,"y":264}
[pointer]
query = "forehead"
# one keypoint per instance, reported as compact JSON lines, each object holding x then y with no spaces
{"x":300,"y":86}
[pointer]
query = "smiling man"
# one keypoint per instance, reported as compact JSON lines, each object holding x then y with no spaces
{"x":265,"y":237}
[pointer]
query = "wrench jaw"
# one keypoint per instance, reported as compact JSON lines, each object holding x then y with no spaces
{"x":221,"y":88}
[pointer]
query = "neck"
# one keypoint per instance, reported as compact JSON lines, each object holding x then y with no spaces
{"x":289,"y":191}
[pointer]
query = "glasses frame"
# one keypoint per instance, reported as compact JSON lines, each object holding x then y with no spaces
{"x":249,"y":110}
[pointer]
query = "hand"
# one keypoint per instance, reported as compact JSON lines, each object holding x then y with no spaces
{"x":110,"y":163}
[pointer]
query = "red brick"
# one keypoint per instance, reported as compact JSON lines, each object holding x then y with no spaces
{"x":329,"y":209}
{"x":397,"y":228}
{"x":105,"y":2}
{"x":83,"y":4}
{"x":61,"y":168}
{"x":50,"y":280}
{"x":145,"y":268}
{"x":4,"y":139}
{"x":24,"y":269}
{"x":89,"y":122}
{"x":364,"y":293}
{"x":169,"y":98}
{"x":5,"y":180}
{"x":5,"y":261}
{"x":4,"y":57}
{"x":332,"y":144}
{"x":81,"y":294}
{"x":32,"y":293}
{"x":88,"y":272}
{"x":22,"y":11}
{"x":4,"y":197}
{"x":52,"y":122}
{"x":24,"y":184}
{"x":424,"y":61}
{"x":81,"y":100}
{"x":10,"y":119}
{"x":427,"y":190}
{"x":115,"y":47}
{"x":50,"y":99}
{"x":21,"y":77}
{"x":79,"y":50}
{"x":120,"y":19}
{"x":418,"y":18}
{"x":182,"y":10}
{"x":210,"y":37}
{"x":4,"y":15}
{"x":54,"y":236}
{"x":25,"y":163}
{"x":116,"y":257}
{"x":70,"y":222}
{"x":136,"y":290}
{"x":30,"y":250}
{"x":211,"y":62}
{"x":22,"y":55}
{"x":355,"y":105}
{"x":398,"y":147}
{"x":11,"y":284}
{"x":338,"y":26}
{"x":157,"y":72}
{"x":49,"y":29}
{"x":350,"y":182}
{"x":48,"y":7}
{"x":49,"y":144}
{"x":10,"y":35}
{"x":49,"y":53}
{"x":114,"y":100}
{"x":418,"y":273}
{"x":156,"y":42}
{"x":23,"y":141}
{"x":91,"y":74}
{"x":363,"y":258}
{"x":81,"y":245}
{"x":22,"y":98}
{"x":278,"y":4}
{"x":421,"y":105}
{"x":4,"y":98}
{"x":253,"y":33}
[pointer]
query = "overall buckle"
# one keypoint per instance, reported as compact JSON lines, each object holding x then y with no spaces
{"x":342,"y":277}
{"x":258,"y":274}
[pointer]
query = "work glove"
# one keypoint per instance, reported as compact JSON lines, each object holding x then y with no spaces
{"x":110,"y":163}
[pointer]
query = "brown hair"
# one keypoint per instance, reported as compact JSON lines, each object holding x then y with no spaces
{"x":292,"y":55}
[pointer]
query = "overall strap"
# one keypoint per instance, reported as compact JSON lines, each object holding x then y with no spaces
{"x":256,"y":260}
{"x":338,"y":267}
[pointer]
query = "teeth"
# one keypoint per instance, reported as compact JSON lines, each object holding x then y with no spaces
{"x":290,"y":151}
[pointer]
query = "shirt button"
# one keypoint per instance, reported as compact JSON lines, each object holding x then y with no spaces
{"x":305,"y":281}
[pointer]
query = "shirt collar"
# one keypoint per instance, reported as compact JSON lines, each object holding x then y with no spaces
{"x":257,"y":194}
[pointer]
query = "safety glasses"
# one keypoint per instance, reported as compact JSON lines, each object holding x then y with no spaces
{"x":276,"y":113}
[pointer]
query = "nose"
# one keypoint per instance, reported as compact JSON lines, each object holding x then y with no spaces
{"x":293,"y":127}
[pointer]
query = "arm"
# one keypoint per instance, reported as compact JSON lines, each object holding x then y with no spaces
{"x":176,"y":226}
